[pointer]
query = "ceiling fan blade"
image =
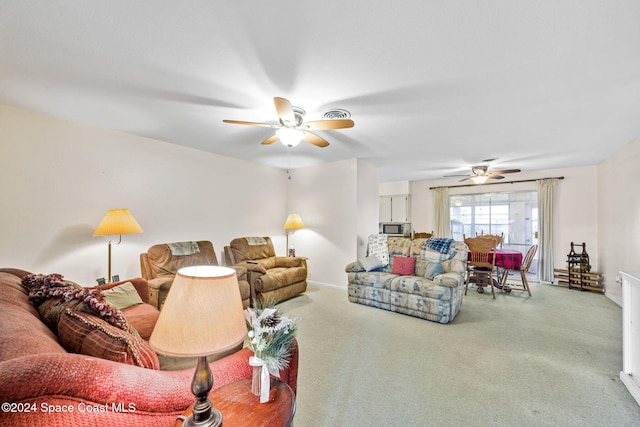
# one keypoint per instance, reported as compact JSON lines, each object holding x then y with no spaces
{"x":238,"y":122}
{"x":453,"y":176}
{"x":505,"y":171}
{"x":285,"y":111}
{"x":270,"y":140}
{"x":494,"y":176}
{"x":315,"y":140}
{"x":328,"y":124}
{"x":466,"y":179}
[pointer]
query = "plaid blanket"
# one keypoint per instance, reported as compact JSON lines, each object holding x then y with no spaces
{"x":439,"y":244}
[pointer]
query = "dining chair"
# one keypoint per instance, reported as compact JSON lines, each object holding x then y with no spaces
{"x":481,"y":263}
{"x":418,"y":235}
{"x":498,"y":237}
{"x":524,"y":268}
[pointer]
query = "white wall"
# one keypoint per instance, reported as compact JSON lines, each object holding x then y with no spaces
{"x":619,"y":215}
{"x":576,"y":210}
{"x":338,"y":203}
{"x":367,"y":206}
{"x":59,"y":178}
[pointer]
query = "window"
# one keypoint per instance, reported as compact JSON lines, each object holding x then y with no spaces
{"x":515,"y":214}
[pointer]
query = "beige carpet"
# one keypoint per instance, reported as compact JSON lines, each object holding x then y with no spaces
{"x":552,"y":359}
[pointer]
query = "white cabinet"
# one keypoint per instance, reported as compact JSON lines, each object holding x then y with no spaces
{"x":630,"y":374}
{"x":395,"y":208}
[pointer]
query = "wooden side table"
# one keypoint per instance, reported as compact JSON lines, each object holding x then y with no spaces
{"x":242,"y":408}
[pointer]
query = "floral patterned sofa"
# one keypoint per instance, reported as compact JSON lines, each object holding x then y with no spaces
{"x":420,"y":277}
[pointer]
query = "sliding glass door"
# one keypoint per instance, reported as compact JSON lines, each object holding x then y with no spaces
{"x":513,"y":214}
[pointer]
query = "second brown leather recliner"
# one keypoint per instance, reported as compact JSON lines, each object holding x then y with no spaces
{"x":272,"y":278}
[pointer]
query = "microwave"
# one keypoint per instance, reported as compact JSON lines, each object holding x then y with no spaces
{"x":396,"y":228}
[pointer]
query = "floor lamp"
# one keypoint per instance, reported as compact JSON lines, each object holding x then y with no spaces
{"x":117,"y":221}
{"x":292,"y":223}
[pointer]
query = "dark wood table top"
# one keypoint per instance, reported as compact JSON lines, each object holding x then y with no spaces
{"x":242,"y":408}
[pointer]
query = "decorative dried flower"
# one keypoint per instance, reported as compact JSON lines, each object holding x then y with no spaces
{"x":270,"y":336}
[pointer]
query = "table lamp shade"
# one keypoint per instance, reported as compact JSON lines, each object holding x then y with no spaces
{"x":293,"y":222}
{"x":118,"y":221}
{"x":202,"y":314}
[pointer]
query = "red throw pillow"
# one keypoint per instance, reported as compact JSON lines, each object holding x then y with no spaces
{"x":403,"y":265}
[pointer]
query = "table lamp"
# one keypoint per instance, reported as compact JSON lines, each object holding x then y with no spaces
{"x":117,"y":221}
{"x":292,"y":223}
{"x":201,"y":316}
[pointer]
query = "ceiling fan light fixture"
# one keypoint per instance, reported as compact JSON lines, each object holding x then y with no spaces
{"x":290,"y":137}
{"x":479,"y":179}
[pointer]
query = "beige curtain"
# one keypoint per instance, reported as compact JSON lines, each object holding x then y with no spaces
{"x":545,"y":240}
{"x":441,"y":214}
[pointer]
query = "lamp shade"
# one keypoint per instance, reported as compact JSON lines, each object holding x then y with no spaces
{"x":290,"y":137}
{"x":118,"y":221}
{"x":293,"y":222}
{"x":202,"y":314}
{"x":479,"y":179}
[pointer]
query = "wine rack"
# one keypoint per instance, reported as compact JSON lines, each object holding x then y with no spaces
{"x":578,"y":274}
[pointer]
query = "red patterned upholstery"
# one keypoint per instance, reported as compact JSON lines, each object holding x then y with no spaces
{"x":35,"y":369}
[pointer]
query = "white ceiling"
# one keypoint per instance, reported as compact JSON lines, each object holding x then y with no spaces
{"x":433,"y":86}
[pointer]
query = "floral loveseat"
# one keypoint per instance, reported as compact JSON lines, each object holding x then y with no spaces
{"x":420,"y":277}
{"x":43,"y":383}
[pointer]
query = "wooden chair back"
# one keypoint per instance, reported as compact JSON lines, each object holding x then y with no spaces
{"x":479,"y":252}
{"x":417,"y":235}
{"x":499,"y":238}
{"x":528,"y":258}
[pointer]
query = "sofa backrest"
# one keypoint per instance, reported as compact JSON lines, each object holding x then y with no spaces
{"x":251,"y":248}
{"x":166,"y":259}
{"x":452,"y":261}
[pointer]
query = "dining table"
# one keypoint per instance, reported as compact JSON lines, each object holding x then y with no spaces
{"x":506,"y":259}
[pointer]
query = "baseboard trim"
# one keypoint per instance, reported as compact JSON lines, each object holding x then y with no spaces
{"x":327,"y":285}
{"x":616,"y":300}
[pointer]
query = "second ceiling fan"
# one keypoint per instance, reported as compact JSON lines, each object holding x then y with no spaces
{"x":293,"y":129}
{"x":480,"y":174}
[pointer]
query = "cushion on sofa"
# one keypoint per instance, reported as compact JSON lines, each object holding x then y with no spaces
{"x":122,"y":296}
{"x":370,"y":263}
{"x":142,"y":319}
{"x":89,"y":335}
{"x":378,"y":247}
{"x":403,"y":266}
{"x":432,"y":269}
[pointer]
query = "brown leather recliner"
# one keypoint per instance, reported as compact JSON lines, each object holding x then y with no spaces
{"x":272,"y":278}
{"x":161,"y":262}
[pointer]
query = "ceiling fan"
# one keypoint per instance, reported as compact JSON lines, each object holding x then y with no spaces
{"x":480,"y":174}
{"x":293,"y":129}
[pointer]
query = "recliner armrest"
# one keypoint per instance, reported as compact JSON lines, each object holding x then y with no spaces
{"x":255,"y":268}
{"x":288,"y":261}
{"x":161,"y":282}
{"x":241,"y":272}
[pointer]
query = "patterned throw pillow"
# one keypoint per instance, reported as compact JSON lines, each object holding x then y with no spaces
{"x":377,"y":247}
{"x":403,"y":266}
{"x":89,"y":335}
{"x":432,"y":269}
{"x":370,"y":263}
